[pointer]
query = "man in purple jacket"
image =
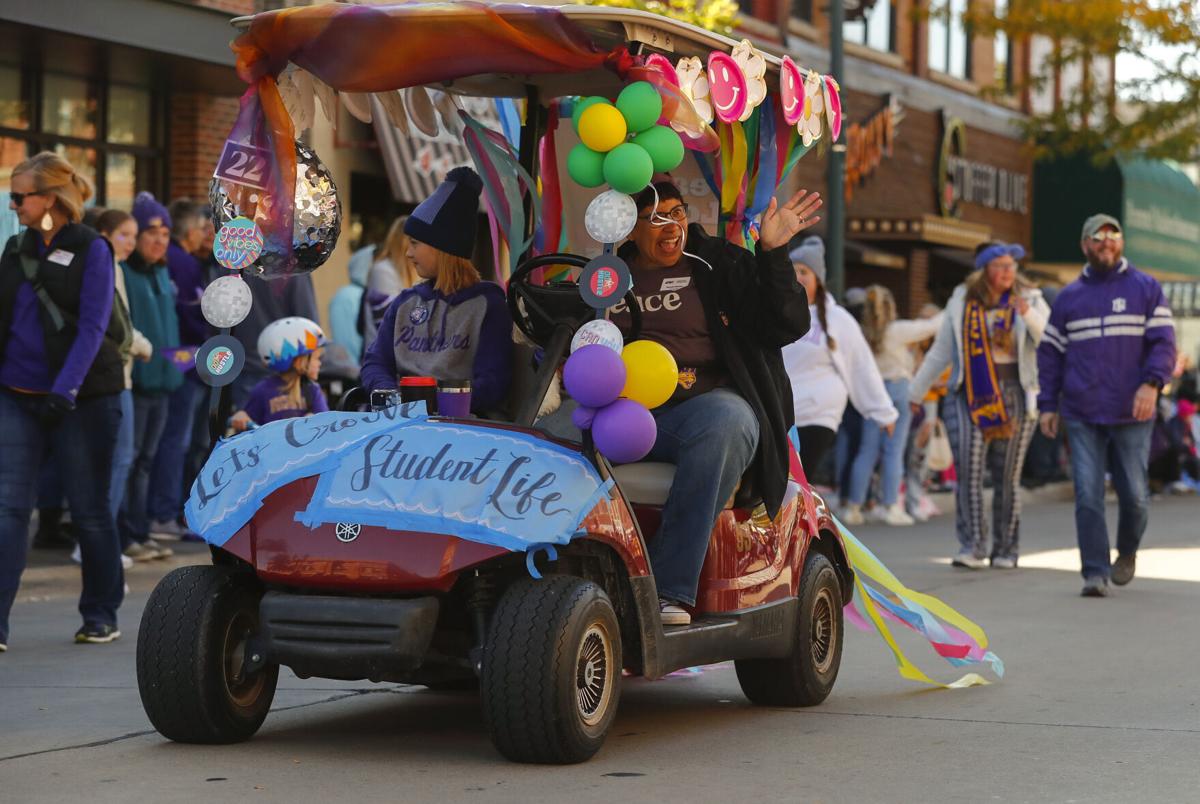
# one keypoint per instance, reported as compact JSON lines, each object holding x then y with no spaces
{"x":1107,"y":351}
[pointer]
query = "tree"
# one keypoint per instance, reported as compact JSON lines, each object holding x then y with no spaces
{"x":1156,"y":113}
{"x":719,"y":16}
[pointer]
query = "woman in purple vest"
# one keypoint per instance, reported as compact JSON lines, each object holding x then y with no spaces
{"x":61,"y":377}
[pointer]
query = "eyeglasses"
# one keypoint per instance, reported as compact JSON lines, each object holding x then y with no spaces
{"x":1100,"y":237}
{"x":678,"y":214}
{"x":19,"y":198}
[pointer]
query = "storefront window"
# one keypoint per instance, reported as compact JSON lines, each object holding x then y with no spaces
{"x":12,"y":153}
{"x":128,"y":115}
{"x":1003,"y":50}
{"x":120,"y":180}
{"x":69,"y":106}
{"x":948,"y":40}
{"x":876,"y":29}
{"x":14,"y":108}
{"x":84,"y":162}
{"x":802,"y":10}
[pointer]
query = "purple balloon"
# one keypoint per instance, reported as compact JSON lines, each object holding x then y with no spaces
{"x":582,"y":417}
{"x":594,"y":375}
{"x":624,"y":431}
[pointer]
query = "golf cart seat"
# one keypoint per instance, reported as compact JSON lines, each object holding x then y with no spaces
{"x":649,"y":483}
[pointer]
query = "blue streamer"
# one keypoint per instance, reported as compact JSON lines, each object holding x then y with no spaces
{"x":534,"y":549}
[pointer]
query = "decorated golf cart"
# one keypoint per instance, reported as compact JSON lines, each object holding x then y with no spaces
{"x":398,"y":545}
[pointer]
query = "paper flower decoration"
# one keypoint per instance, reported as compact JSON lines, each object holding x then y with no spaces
{"x":791,"y":91}
{"x":833,"y":106}
{"x":754,"y":67}
{"x":693,"y":83}
{"x":726,"y":87}
{"x":814,"y":109}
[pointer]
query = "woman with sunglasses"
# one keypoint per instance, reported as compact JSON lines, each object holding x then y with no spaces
{"x":61,"y":377}
{"x":725,"y":315}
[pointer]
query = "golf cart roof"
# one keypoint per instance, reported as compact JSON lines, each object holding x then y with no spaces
{"x":601,"y":30}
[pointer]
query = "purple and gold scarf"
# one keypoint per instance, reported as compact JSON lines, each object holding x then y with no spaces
{"x":985,"y":400}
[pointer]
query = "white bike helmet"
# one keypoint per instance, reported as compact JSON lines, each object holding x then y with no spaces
{"x":284,"y":340}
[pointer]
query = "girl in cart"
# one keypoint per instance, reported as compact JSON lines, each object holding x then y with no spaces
{"x":452,"y":325}
{"x":291,"y":347}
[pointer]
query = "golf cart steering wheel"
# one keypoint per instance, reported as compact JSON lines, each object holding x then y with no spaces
{"x":538,"y":310}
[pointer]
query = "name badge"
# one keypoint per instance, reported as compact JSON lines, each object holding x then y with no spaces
{"x":675,"y":283}
{"x":60,"y":257}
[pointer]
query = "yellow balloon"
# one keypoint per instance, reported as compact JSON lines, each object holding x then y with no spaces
{"x":650,"y":373}
{"x":602,"y":127}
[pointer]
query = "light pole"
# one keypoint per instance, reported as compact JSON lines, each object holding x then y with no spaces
{"x":835,"y":200}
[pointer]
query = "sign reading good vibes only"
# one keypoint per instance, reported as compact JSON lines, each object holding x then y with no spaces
{"x":397,"y":469}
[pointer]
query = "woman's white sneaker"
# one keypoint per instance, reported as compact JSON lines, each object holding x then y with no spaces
{"x":895,"y":515}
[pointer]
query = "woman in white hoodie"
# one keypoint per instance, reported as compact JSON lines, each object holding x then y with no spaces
{"x":829,"y":365}
{"x":890,"y":339}
{"x":993,"y":324}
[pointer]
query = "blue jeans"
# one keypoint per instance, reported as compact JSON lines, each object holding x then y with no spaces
{"x":85,"y":440}
{"x":122,"y":454}
{"x":876,"y":443}
{"x":166,"y":484}
{"x":149,"y":418}
{"x":1092,"y":445}
{"x":711,"y":439}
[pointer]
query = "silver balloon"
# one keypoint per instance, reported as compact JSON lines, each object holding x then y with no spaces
{"x":316,"y":223}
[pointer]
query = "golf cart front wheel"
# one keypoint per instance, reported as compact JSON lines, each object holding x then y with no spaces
{"x":197,"y":683}
{"x":551,"y":671}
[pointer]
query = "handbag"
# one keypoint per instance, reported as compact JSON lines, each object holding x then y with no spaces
{"x":938,"y":455}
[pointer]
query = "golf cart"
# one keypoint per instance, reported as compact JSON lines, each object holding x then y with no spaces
{"x":546,"y":634}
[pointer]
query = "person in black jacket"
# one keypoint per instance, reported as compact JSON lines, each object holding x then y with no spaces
{"x":724,"y":314}
{"x":61,"y":377}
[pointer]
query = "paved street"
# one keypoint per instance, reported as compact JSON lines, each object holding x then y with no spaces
{"x":1100,"y":704}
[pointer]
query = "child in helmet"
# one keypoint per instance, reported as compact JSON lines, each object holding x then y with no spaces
{"x":452,"y":325}
{"x":292,"y":348}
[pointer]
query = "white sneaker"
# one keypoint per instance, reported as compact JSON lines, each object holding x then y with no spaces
{"x":77,"y":557}
{"x":895,"y":516}
{"x":852,"y":514}
{"x":1004,"y":562}
{"x":967,"y":559}
{"x":673,"y":614}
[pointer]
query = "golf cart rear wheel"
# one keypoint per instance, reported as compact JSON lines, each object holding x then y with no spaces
{"x":806,"y":677}
{"x":551,"y":675}
{"x":191,"y":657}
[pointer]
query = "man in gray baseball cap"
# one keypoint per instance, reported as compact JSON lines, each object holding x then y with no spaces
{"x":1097,"y":222}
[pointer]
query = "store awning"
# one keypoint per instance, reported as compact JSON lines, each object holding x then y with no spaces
{"x":1157,"y":204}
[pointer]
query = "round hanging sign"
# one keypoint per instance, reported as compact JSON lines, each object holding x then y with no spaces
{"x":220,"y":360}
{"x":605,"y":281}
{"x":238,"y":244}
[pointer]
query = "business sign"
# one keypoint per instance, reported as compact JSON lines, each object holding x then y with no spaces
{"x":966,"y":181}
{"x":869,"y":143}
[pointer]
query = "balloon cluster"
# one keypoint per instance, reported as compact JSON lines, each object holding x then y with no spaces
{"x":622,"y":144}
{"x":616,"y":388}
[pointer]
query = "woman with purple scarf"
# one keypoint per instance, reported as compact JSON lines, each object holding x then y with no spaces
{"x":989,"y":336}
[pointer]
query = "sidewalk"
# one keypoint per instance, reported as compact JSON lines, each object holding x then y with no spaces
{"x":51,"y":574}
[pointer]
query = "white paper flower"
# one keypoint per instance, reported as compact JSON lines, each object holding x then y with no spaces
{"x":810,"y":124}
{"x":693,"y":83}
{"x":754,"y":67}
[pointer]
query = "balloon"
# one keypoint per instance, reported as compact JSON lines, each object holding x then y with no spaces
{"x":316,"y":218}
{"x":610,"y":217}
{"x":581,"y":106}
{"x":585,"y":166}
{"x":583,"y":416}
{"x":600,"y":332}
{"x":594,"y":375}
{"x":624,"y":431}
{"x":601,"y":127}
{"x":640,"y":104}
{"x":663,"y":145}
{"x":628,"y":168}
{"x":650,"y":373}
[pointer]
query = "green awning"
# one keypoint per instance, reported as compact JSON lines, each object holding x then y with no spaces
{"x":1161,"y":216}
{"x":1157,"y":204}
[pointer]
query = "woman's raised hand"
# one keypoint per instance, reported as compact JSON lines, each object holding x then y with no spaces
{"x":781,"y":223}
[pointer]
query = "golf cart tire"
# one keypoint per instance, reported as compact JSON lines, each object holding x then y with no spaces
{"x":551,"y":676}
{"x":184,"y":657}
{"x":806,"y":677}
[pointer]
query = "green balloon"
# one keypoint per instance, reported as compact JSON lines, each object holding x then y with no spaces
{"x":663,"y":145}
{"x":640,"y":104}
{"x":581,"y":105}
{"x":628,"y":168}
{"x":585,"y":166}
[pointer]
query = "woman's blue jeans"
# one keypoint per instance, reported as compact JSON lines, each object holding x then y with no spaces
{"x":84,"y":441}
{"x":877,"y":447}
{"x":711,"y":439}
